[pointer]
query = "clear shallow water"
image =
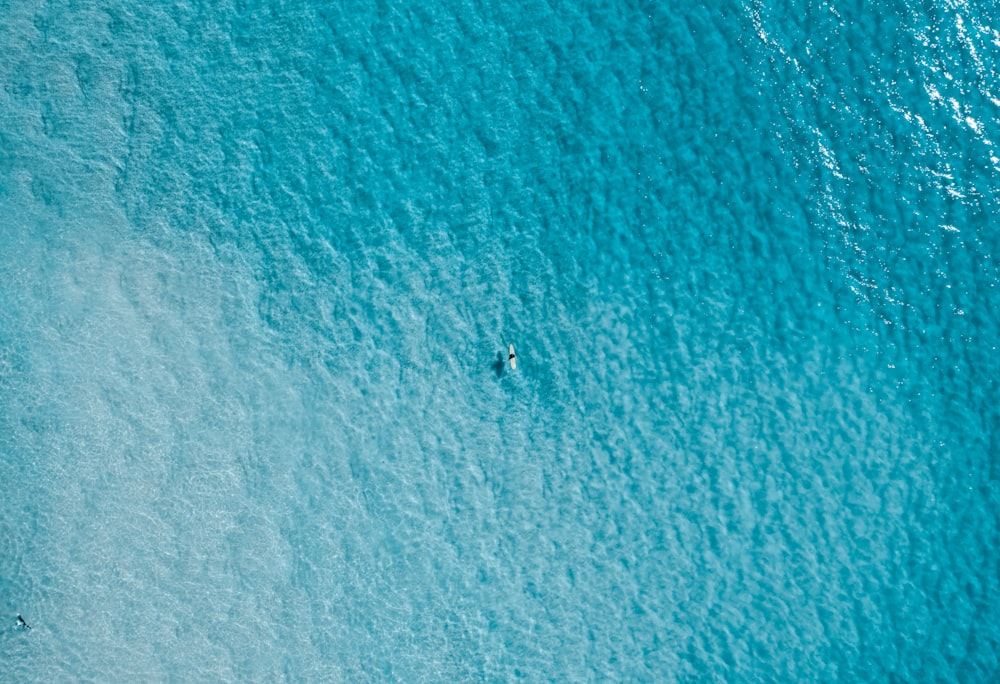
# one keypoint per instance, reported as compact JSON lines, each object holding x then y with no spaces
{"x":260,"y":265}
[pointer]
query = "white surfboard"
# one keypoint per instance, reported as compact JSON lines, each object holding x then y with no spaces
{"x":513,"y":358}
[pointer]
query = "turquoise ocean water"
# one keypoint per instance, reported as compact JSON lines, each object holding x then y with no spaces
{"x":260,"y":263}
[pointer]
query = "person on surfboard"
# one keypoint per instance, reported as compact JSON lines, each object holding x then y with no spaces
{"x":512,"y":357}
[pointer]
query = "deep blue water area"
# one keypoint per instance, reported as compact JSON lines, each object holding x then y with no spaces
{"x":260,"y":263}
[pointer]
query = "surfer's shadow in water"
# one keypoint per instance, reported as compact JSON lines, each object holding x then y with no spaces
{"x":500,"y":364}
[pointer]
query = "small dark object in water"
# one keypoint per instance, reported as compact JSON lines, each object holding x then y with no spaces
{"x":21,"y":624}
{"x":499,"y":365}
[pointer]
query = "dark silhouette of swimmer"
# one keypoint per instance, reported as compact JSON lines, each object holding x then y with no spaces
{"x":512,"y":356}
{"x":21,"y":624}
